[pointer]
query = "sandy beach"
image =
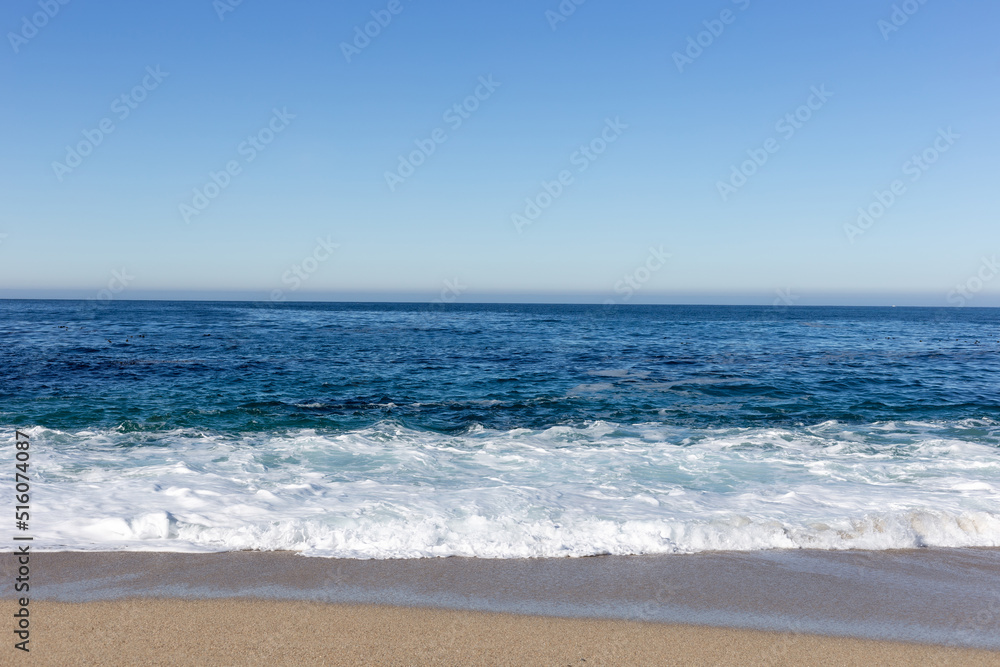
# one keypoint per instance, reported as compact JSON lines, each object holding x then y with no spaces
{"x":267,"y":632}
{"x":916,"y":607}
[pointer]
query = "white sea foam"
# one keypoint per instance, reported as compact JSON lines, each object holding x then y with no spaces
{"x":390,"y":492}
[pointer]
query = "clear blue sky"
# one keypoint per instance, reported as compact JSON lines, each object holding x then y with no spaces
{"x":555,"y":86}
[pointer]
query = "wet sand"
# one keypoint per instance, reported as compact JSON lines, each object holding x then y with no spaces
{"x":783,"y":607}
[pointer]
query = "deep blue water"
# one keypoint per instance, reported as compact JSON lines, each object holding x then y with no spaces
{"x":248,"y":367}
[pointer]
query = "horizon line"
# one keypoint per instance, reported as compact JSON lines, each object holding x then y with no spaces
{"x":459,"y":304}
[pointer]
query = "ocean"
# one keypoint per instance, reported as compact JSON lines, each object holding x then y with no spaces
{"x":502,"y":431}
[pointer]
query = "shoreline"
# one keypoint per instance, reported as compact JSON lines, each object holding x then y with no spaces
{"x":943,"y":597}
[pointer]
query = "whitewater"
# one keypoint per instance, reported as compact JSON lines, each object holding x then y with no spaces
{"x":388,"y":491}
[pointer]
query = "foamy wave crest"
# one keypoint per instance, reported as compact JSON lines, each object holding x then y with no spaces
{"x":392,"y":492}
